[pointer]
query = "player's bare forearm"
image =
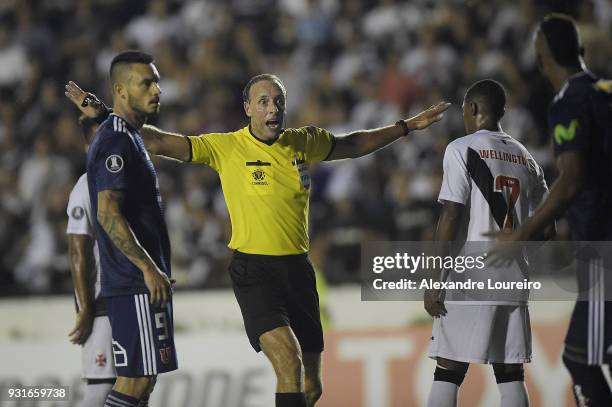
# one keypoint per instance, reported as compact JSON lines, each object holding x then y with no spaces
{"x":446,"y":232}
{"x":562,"y":192}
{"x":449,"y":221}
{"x":360,"y":143}
{"x":447,"y":229}
{"x":80,"y":253}
{"x":118,"y":230}
{"x":166,"y":144}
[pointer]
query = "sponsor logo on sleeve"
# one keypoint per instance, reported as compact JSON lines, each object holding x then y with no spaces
{"x":114,"y":163}
{"x":77,"y":212}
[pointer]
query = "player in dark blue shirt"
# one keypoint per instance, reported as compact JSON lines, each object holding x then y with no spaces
{"x":118,"y":161}
{"x":131,"y":233}
{"x":580,"y":120}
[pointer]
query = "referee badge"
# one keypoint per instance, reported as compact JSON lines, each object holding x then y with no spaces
{"x":114,"y":163}
{"x":302,"y":169}
{"x":259,"y":174}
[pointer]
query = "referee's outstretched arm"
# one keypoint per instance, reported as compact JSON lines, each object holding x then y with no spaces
{"x":177,"y":146}
{"x":158,"y":142}
{"x":363,"y":142}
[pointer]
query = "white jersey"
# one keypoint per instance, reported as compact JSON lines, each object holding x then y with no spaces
{"x":499,"y":182}
{"x":81,"y":222}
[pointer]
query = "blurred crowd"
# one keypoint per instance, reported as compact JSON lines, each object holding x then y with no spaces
{"x":347,"y":65}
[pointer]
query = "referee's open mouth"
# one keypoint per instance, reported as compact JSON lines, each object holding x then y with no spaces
{"x":273,"y":124}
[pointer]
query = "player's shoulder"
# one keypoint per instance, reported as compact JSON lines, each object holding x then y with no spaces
{"x":575,"y":91}
{"x":114,"y":125}
{"x":112,"y":133}
{"x":80,"y":189}
{"x":225,"y":136}
{"x":304,"y":131}
{"x":462,"y":143}
{"x":516,"y":144}
{"x":81,"y":182}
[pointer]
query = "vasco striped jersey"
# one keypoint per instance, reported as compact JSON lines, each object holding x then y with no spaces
{"x":501,"y":185}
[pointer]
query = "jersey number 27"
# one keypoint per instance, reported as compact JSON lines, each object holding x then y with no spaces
{"x":514,"y":185}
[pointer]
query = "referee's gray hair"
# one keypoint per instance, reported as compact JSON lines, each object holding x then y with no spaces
{"x":258,"y":78}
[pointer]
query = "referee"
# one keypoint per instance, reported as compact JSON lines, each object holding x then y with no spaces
{"x":264,"y":174}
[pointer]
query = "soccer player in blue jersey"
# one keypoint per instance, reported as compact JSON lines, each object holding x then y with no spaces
{"x":131,"y":233}
{"x":580,"y":117}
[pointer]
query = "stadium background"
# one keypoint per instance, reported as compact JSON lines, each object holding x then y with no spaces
{"x":347,"y":65}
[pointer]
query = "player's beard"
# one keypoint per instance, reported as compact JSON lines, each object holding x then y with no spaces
{"x":143,"y":108}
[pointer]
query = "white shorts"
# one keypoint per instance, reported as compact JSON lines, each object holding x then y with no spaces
{"x":482,"y":334}
{"x":98,"y":362}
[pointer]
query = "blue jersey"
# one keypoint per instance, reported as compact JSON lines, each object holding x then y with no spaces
{"x":580,"y":118}
{"x":117,"y":160}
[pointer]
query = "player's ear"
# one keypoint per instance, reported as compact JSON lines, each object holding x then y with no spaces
{"x":118,"y":89}
{"x":473,"y":108}
{"x":247,"y":108}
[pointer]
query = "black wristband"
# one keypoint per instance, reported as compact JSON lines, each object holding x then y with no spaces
{"x":190,"y":149}
{"x":91,"y":98}
{"x":404,"y":126}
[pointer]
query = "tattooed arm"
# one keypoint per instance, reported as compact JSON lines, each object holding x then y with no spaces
{"x":117,"y":228}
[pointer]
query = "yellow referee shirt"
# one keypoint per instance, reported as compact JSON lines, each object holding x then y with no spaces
{"x":266,"y":186}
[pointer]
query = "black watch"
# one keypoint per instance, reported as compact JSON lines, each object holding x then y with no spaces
{"x":404,"y":126}
{"x":89,"y":99}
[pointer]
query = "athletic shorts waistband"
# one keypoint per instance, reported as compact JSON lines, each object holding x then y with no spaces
{"x":248,"y":256}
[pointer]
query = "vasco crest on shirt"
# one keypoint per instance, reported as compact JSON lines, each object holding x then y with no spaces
{"x":302,"y":169}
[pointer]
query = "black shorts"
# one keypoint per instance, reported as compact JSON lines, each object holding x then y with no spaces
{"x":275,"y":291}
{"x":589,"y":336}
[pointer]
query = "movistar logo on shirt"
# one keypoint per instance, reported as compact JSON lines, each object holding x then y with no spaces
{"x":568,"y":133}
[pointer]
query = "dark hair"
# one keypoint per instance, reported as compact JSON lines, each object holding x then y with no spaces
{"x":258,"y":78}
{"x":563,"y":40}
{"x":490,"y":94}
{"x":131,"y":57}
